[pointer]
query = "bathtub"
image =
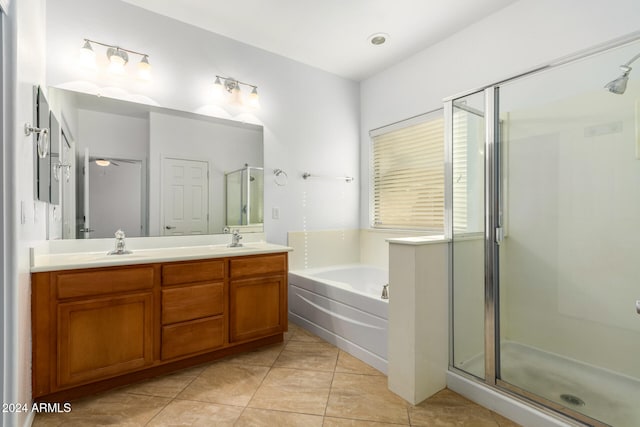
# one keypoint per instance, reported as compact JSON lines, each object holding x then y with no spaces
{"x":343,"y":305}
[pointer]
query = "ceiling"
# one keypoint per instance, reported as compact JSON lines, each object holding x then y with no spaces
{"x":332,"y":35}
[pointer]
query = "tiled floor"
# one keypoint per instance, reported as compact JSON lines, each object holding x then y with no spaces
{"x":301,"y":382}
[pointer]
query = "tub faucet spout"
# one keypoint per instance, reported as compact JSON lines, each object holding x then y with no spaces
{"x":385,"y":292}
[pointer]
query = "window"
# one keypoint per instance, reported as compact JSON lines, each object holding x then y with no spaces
{"x":408,"y":174}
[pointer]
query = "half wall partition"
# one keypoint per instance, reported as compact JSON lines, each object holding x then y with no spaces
{"x":543,"y":213}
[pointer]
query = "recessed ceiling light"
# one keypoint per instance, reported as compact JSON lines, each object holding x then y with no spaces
{"x":378,"y":38}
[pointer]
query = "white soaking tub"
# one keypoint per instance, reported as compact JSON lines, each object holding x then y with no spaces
{"x":343,"y":305}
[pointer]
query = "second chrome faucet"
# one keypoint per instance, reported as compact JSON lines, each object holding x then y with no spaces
{"x":235,"y":239}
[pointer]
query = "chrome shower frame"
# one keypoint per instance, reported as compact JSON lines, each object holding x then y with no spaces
{"x":492,"y":236}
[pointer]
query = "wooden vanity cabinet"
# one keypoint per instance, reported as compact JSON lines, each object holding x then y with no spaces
{"x":97,"y":328}
{"x":258,"y":296}
{"x":89,"y":325}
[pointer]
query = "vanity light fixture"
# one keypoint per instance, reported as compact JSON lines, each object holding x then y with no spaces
{"x":118,"y":58}
{"x":232,"y":86}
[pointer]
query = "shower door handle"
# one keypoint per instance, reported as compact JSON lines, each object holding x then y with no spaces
{"x":638,"y":306}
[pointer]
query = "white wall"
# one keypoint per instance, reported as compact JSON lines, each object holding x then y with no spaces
{"x":113,"y":135}
{"x":26,"y":67}
{"x":310,"y":117}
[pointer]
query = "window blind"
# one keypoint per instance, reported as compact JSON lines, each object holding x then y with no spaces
{"x":408,"y":176}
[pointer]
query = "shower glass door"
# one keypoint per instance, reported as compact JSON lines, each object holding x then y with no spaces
{"x":569,"y":262}
{"x":467,"y":219}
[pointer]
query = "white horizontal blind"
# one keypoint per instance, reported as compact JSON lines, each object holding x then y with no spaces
{"x":408,"y":176}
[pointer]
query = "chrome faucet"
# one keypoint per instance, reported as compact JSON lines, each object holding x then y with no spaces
{"x":121,"y":248}
{"x":235,"y":239}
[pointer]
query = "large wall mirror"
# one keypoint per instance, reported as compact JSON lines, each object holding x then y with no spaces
{"x":153,"y":171}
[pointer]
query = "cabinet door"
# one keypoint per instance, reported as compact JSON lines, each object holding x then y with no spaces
{"x":257,"y":307}
{"x":101,"y":338}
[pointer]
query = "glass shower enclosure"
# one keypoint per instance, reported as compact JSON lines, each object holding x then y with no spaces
{"x":244,"y":189}
{"x":544,"y":213}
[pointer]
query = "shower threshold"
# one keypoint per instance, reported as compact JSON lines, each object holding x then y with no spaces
{"x":598,"y":393}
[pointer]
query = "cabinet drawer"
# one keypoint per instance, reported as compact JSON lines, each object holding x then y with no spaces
{"x":192,"y":302}
{"x":100,"y":282}
{"x":189,"y":272}
{"x":258,"y":266}
{"x":192,"y":337}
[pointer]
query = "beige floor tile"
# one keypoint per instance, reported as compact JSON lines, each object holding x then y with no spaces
{"x":47,"y":420}
{"x":293,"y":390}
{"x":264,"y":356}
{"x":252,"y":417}
{"x":190,"y":413}
{"x":112,"y":408}
{"x":225,"y":383}
{"x":352,"y":365}
{"x":166,"y":385}
{"x":320,"y":356}
{"x":301,"y":334}
{"x":365,"y":397}
{"x":345,"y":422}
{"x":447,"y":408}
{"x":292,"y":328}
{"x":503,"y":421}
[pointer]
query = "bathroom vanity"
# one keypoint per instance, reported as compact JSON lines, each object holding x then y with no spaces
{"x":103,"y":321}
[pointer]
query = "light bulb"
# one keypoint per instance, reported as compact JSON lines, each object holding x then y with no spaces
{"x":254,"y":101}
{"x":144,"y":68}
{"x":236,"y":96}
{"x":102,"y":162}
{"x":117,"y":60}
{"x":218,"y":89}
{"x":87,"y":55}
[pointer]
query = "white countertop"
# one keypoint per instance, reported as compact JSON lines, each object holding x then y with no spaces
{"x":77,"y":260}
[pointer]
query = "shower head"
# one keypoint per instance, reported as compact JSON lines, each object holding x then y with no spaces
{"x":619,"y":85}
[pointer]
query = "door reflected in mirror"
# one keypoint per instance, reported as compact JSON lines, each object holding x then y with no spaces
{"x":152,"y":171}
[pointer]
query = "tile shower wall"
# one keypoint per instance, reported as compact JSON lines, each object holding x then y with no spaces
{"x":331,"y":247}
